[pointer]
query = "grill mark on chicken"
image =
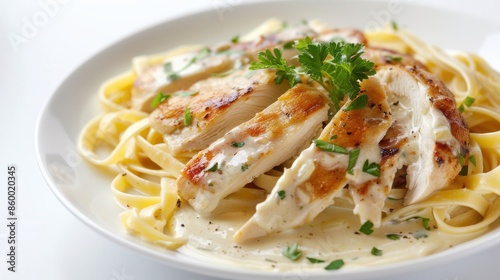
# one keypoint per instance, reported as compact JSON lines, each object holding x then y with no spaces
{"x":269,"y":139}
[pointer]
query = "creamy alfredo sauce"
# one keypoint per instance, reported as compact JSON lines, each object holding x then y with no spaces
{"x":333,"y":235}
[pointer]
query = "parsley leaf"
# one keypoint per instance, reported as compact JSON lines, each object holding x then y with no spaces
{"x":214,"y":167}
{"x":187,"y":116}
{"x":394,"y":25}
{"x":392,"y":59}
{"x":336,"y":66}
{"x":376,"y":251}
{"x":353,"y":157}
{"x":186,"y":93}
{"x":468,"y":101}
{"x":174,"y":75}
{"x":358,"y":103}
{"x":329,"y":147}
{"x":282,"y":194}
{"x":244,"y":167}
{"x":159,"y":98}
{"x":472,"y":159}
{"x":425,"y":221}
{"x":366,"y":228}
{"x":292,"y":252}
{"x":314,"y":260}
{"x":238,"y":144}
{"x":235,"y":39}
{"x":275,"y":60}
{"x":371,"y":168}
{"x":464,"y":171}
{"x":393,"y":236}
{"x":336,"y":264}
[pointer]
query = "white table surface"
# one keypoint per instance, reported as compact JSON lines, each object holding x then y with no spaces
{"x":52,"y":243}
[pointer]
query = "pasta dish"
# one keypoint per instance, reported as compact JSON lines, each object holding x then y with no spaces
{"x":303,"y":147}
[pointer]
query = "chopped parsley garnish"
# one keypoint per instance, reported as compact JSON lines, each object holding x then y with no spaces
{"x":288,"y":45}
{"x":314,"y":260}
{"x":282,"y":194}
{"x":186,"y":93}
{"x":393,"y":236}
{"x":275,"y":60}
{"x":393,"y":59}
{"x":333,"y":137}
{"x":358,"y":103}
{"x":420,"y":234}
{"x":214,"y":167}
{"x":237,"y":144}
{"x":366,"y":228}
{"x":371,"y":168}
{"x":468,"y":101}
{"x":171,"y":74}
{"x":336,"y":66}
{"x":329,"y":147}
{"x":425,"y":221}
{"x":292,"y":252}
{"x":269,"y":260}
{"x":394,"y":25}
{"x":187,"y":116}
{"x":174,"y":75}
{"x":159,"y":98}
{"x":465,"y":168}
{"x":376,"y":251}
{"x":353,"y":157}
{"x":244,"y":167}
{"x":235,"y":39}
{"x":472,"y":159}
{"x":336,"y":264}
{"x":464,"y":171}
{"x":461,"y":159}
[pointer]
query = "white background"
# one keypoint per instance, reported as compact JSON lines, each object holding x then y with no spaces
{"x":52,"y":243}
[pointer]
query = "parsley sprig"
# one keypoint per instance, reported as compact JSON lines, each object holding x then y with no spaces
{"x":336,"y":66}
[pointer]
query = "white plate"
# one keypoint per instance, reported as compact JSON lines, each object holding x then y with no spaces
{"x":84,"y":190}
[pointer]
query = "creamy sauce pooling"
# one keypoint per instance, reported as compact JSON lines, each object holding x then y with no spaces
{"x":333,"y":235}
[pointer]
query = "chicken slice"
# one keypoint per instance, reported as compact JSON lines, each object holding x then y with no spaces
{"x":183,"y":70}
{"x":310,"y":185}
{"x":349,"y":35}
{"x":216,"y":105}
{"x":177,"y":73}
{"x":252,"y":148}
{"x":428,"y":134}
{"x":380,"y":56}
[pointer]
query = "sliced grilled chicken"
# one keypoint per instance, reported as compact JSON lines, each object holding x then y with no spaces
{"x":175,"y":74}
{"x":216,"y":106}
{"x":380,"y":56}
{"x":426,"y":137}
{"x":429,"y":132}
{"x":349,"y":35}
{"x":252,"y":148}
{"x":182,"y":71}
{"x":315,"y":177}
